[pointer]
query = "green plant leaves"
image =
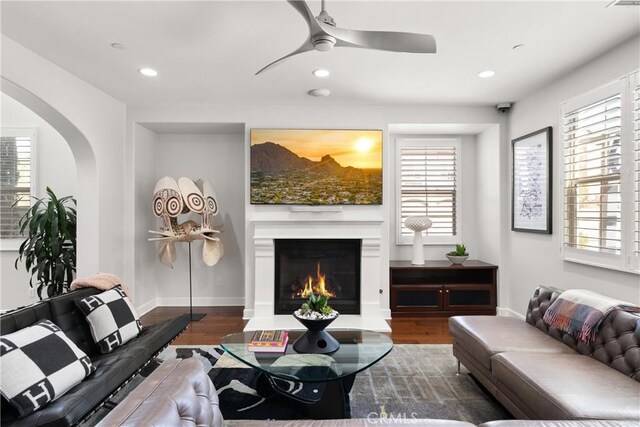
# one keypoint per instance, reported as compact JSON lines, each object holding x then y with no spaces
{"x":459,"y":251}
{"x":49,"y":250}
{"x":317,"y":302}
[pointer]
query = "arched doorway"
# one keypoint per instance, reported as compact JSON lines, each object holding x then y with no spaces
{"x":87,"y":251}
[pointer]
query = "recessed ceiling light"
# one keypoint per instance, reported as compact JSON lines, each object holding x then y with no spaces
{"x":149,"y":72}
{"x":321,"y":73}
{"x":485,"y":74}
{"x":118,"y":46}
{"x":320,"y":93}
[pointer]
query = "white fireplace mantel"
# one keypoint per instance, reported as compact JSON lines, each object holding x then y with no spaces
{"x":371,"y":317}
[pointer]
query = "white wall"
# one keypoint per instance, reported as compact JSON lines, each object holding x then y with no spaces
{"x":219,"y":159}
{"x":534,"y":259}
{"x":488,"y":209}
{"x":93,"y":125}
{"x":467,"y":175}
{"x":55,"y":167}
{"x":145,"y":278}
{"x":321,"y":116}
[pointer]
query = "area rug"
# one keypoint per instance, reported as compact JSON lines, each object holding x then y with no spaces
{"x":413,"y":381}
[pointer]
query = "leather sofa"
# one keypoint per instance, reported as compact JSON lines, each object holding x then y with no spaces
{"x":377,"y":422}
{"x":539,"y":372}
{"x":178,"y":393}
{"x":112,"y":370}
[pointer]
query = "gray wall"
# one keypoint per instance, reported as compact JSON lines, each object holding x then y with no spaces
{"x":219,"y":159}
{"x":56,"y":168}
{"x":534,"y":259}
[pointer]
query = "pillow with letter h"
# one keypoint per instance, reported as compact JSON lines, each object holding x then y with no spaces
{"x":38,"y":364}
{"x":112,"y":319}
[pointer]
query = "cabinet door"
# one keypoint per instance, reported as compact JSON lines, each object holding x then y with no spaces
{"x":469,"y":297}
{"x":416,"y":298}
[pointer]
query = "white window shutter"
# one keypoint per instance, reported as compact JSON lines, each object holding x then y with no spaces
{"x":635,"y":181}
{"x":429,"y":185}
{"x":592,"y":168}
{"x":15,"y":179}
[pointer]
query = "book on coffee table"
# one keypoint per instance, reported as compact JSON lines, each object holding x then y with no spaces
{"x":269,"y":341}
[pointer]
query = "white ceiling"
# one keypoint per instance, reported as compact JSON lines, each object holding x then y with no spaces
{"x":208,"y":51}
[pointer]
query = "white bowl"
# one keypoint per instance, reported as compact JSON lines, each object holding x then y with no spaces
{"x":457,"y":259}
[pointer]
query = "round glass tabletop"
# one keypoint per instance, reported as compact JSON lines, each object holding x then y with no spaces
{"x":358,"y":351}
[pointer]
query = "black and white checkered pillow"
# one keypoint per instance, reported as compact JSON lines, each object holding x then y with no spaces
{"x":38,"y":364}
{"x":112,"y":318}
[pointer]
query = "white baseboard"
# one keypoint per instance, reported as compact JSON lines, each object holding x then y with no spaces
{"x":146,"y":307}
{"x":386,"y":313}
{"x":503,"y":311}
{"x":247,"y":313}
{"x":200,"y":301}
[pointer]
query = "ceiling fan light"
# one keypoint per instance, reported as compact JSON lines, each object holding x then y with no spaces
{"x":323,"y":43}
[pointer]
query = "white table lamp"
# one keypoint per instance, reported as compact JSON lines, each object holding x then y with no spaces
{"x":417,"y":224}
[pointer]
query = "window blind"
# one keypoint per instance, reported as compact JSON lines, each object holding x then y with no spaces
{"x":592,"y":161}
{"x":636,"y":169}
{"x":15,"y":183}
{"x":428,"y":187}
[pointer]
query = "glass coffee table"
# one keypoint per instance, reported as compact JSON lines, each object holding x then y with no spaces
{"x":320,"y":382}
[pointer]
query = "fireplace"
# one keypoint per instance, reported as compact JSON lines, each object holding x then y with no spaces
{"x":327,"y":266}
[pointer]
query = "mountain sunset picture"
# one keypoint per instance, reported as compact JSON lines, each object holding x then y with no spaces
{"x":316,"y":167}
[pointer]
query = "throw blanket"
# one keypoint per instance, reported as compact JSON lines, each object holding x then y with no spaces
{"x":102,"y":281}
{"x":579,"y":312}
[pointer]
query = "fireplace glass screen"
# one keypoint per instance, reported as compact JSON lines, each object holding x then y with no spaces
{"x":327,"y":266}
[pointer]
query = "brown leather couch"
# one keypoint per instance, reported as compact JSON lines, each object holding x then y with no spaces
{"x":177,"y":393}
{"x":538,"y":372}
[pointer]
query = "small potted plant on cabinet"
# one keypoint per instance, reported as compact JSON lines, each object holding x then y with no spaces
{"x":459,"y":255}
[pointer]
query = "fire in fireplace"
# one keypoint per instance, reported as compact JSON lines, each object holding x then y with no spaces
{"x":323,"y":266}
{"x":317,"y":285}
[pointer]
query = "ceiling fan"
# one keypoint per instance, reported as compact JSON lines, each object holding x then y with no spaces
{"x":324,"y":35}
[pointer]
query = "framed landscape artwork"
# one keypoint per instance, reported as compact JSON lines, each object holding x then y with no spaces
{"x":316,"y":167}
{"x":531,"y":202}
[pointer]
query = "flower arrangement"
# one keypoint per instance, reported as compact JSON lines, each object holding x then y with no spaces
{"x":316,"y":307}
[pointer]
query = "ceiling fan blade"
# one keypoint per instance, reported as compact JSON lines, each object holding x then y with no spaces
{"x":306,"y":47}
{"x":303,"y":9}
{"x":382,"y":40}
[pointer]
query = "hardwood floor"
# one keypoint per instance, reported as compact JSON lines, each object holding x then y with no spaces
{"x":220,"y":321}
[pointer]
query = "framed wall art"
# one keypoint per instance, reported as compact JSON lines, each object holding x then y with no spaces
{"x":531,"y":182}
{"x":316,"y":167}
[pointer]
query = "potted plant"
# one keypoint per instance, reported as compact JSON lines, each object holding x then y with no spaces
{"x":459,"y":255}
{"x":316,"y":315}
{"x":49,"y":251}
{"x":316,"y":308}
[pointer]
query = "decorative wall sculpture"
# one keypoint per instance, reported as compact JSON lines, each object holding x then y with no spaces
{"x":171,"y":199}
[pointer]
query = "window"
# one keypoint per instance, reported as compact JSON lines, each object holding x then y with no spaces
{"x":600,"y":153}
{"x":635,"y":181}
{"x":428,"y":184}
{"x":16,"y":180}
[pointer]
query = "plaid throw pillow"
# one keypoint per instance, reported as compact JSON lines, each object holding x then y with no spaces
{"x":38,"y":364}
{"x":112,"y":318}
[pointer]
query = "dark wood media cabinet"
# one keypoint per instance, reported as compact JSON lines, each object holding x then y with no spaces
{"x":439,"y":288}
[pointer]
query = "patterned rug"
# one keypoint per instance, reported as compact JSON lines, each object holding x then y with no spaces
{"x":417,"y":381}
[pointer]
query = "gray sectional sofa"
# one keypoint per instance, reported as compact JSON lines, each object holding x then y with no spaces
{"x":538,"y":372}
